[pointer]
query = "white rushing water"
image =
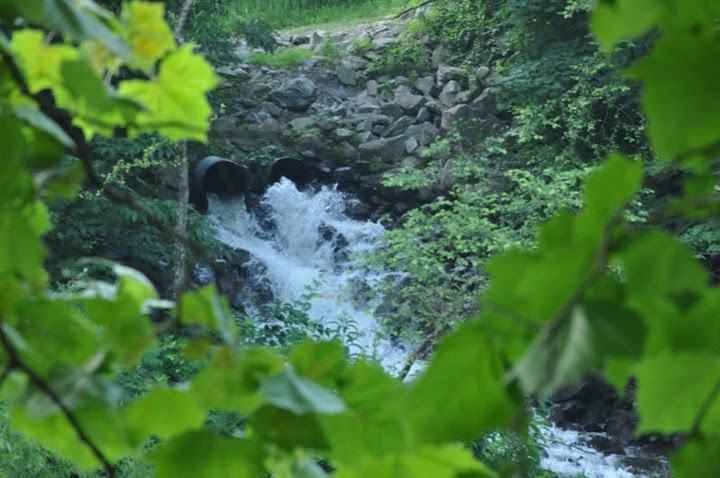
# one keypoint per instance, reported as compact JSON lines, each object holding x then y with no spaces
{"x":306,"y":243}
{"x":308,"y":246}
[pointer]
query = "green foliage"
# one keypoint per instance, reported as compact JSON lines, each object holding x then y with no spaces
{"x":405,"y":59}
{"x":259,"y":34}
{"x":295,"y":13}
{"x":592,"y":293}
{"x":285,"y":59}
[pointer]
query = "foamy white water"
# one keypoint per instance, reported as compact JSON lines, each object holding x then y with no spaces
{"x":307,"y":243}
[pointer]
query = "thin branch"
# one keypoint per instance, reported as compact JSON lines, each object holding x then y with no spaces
{"x":184,"y":11}
{"x":410,"y":9}
{"x":705,"y":409}
{"x":40,"y":383}
{"x":421,"y":350}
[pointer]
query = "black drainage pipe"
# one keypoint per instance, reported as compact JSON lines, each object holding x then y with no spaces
{"x":216,"y":175}
{"x":293,"y":169}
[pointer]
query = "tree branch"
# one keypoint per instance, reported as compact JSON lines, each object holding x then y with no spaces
{"x":184,"y":11}
{"x":17,"y":363}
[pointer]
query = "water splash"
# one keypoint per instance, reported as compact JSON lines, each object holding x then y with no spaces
{"x":304,"y":241}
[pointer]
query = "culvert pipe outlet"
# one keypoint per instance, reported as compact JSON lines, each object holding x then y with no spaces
{"x":221,"y":176}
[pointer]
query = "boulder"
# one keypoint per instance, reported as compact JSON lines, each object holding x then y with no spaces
{"x":407,"y":100}
{"x":389,"y":149}
{"x":310,"y":141}
{"x":449,"y":93}
{"x":411,"y":145}
{"x":326,"y":124}
{"x":393,"y":110}
{"x":481,"y":72}
{"x":426,"y":85}
{"x":398,"y":127}
{"x":446,"y":73}
{"x":485,"y":101}
{"x":343,"y":134}
{"x":346,"y":76}
{"x":297,"y":95}
{"x":347,"y":151}
{"x":303,"y":122}
{"x":423,"y":115}
{"x":300,"y":39}
{"x":457,"y":114}
{"x":371,"y":88}
{"x":425,"y":133}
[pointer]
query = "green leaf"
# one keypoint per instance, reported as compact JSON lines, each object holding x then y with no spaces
{"x":39,"y":120}
{"x":610,"y":188}
{"x":657,"y":264}
{"x":615,"y":20}
{"x":147,"y":33}
{"x":21,"y":250}
{"x":376,"y":419}
{"x":680,"y":83}
{"x":287,"y":429}
{"x":203,"y":453}
{"x":208,"y":308}
{"x":449,"y":461}
{"x":320,"y":362}
{"x":689,"y":378}
{"x":698,"y":457}
{"x":176,"y":109}
{"x":163,"y":413}
{"x":299,"y":395}
{"x":231,"y":381}
{"x":465,"y":380}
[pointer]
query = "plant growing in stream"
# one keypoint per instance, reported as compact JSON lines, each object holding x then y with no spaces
{"x":594,"y":293}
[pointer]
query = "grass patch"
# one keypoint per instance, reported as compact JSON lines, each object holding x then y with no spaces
{"x":297,"y":13}
{"x":287,"y":59}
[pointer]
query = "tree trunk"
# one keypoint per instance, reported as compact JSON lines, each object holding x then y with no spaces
{"x":179,"y":252}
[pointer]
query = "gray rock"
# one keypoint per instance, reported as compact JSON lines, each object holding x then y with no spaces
{"x":367,"y":108}
{"x":392,"y":110}
{"x":425,"y":133}
{"x":465,"y":119}
{"x":385,"y":41}
{"x":423,"y":115}
{"x":446,"y":73}
{"x":347,"y":150}
{"x":232,"y":71}
{"x":410,"y":162}
{"x":346,"y":75}
{"x":408,"y":101}
{"x":485,"y":101}
{"x":365,"y":136}
{"x":411,"y":145}
{"x":272,"y":108}
{"x":389,"y":149}
{"x":452,"y":86}
{"x":446,"y":176}
{"x":225,"y":124}
{"x":440,"y":55}
{"x":481,"y":72}
{"x":343,"y":134}
{"x":316,"y":38}
{"x":297,"y":95}
{"x":463,"y":96}
{"x":371,"y":88}
{"x":326,"y":124}
{"x":301,"y":123}
{"x":258,"y":116}
{"x":310,"y":141}
{"x":398,"y":127}
{"x":426,"y":85}
{"x":300,"y":39}
{"x":378,"y":129}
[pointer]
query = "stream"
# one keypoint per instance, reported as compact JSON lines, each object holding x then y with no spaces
{"x":303,"y":246}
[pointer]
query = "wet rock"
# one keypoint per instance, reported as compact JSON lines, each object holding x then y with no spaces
{"x":297,"y":95}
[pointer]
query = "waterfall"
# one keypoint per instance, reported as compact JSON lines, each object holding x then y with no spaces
{"x":305,"y":247}
{"x":303,"y":244}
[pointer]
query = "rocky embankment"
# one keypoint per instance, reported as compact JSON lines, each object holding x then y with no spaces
{"x":349,"y":123}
